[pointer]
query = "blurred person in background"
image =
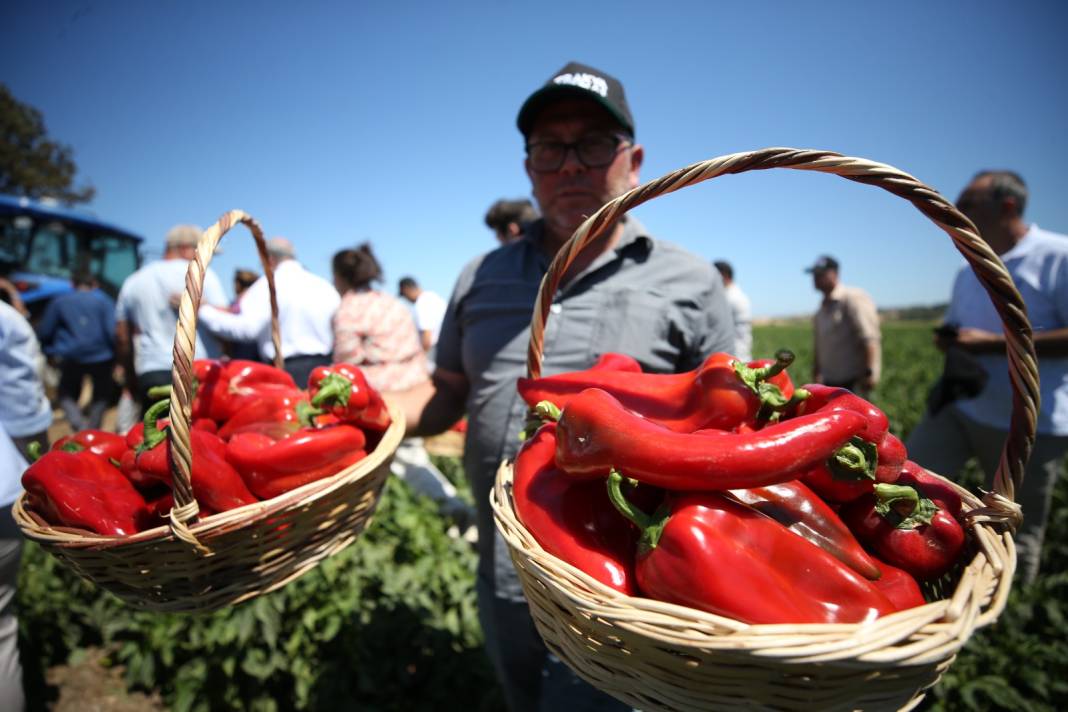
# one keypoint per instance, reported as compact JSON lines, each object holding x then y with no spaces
{"x":375,"y":331}
{"x":429,"y":309}
{"x":12,"y":465}
{"x":77,"y":331}
{"x":306,"y":306}
{"x":1037,"y":260}
{"x":146,"y":321}
{"x":628,"y":292}
{"x":740,"y":311}
{"x":247,"y":350}
{"x":847,"y":340}
{"x":509,"y":219}
{"x":25,"y":411}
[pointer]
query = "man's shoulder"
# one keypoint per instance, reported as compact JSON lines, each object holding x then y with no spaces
{"x":679,"y":260}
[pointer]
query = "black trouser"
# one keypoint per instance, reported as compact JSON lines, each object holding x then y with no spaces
{"x":300,"y":367}
{"x":72,"y":374}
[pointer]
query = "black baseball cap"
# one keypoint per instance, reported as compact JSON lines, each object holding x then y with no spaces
{"x":823,"y":263}
{"x":578,"y":80}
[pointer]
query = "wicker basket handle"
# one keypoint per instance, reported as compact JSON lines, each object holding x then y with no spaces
{"x":185,"y":339}
{"x":1023,"y":365}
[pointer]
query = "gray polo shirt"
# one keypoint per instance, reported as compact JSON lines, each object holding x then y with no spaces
{"x":646,"y":298}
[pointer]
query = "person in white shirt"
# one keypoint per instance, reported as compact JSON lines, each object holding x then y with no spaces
{"x":1037,"y":260}
{"x":429,"y":310}
{"x":146,"y":320}
{"x":12,"y":465}
{"x":306,"y":306}
{"x":25,"y":411}
{"x":740,"y":310}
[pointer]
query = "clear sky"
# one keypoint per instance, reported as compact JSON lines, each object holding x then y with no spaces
{"x":394,"y":122}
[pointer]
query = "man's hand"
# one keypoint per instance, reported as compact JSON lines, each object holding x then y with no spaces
{"x":980,"y":341}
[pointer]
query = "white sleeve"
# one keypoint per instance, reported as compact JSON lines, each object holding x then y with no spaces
{"x":248,"y":323}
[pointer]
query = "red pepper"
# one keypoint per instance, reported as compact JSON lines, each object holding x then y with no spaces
{"x":277,"y":414}
{"x":800,"y":510}
{"x":939,"y":491}
{"x":891,"y":456}
{"x":224,"y":387}
{"x":99,"y":442}
{"x":907,"y":529}
{"x":899,"y":586}
{"x":572,"y":519}
{"x":709,"y":552}
{"x":78,"y":489}
{"x":216,"y":485}
{"x":343,"y":390}
{"x":832,"y":398}
{"x":271,"y":467}
{"x":722,"y":393}
{"x":596,"y":434}
{"x":616,"y":362}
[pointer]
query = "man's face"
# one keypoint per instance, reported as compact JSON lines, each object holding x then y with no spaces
{"x":573,"y":192}
{"x":408,"y":293}
{"x":978,"y":204}
{"x":825,"y":279}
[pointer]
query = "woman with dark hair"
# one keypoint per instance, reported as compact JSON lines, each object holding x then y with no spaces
{"x":373,"y":329}
{"x":376,"y":331}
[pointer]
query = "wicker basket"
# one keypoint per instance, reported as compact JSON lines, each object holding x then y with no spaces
{"x":221,"y":560}
{"x":659,"y":656}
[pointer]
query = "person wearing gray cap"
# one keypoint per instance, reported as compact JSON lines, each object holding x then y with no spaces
{"x":628,"y":292}
{"x":306,"y":306}
{"x":847,"y":341}
{"x":145,"y":321}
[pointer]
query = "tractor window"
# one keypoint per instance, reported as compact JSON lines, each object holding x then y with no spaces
{"x":112,"y":259}
{"x":53,"y":250}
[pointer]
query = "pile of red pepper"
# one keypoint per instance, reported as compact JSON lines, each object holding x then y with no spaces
{"x":255,"y":435}
{"x":728,"y":490}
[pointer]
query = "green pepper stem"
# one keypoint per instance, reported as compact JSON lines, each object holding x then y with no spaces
{"x":34,"y":451}
{"x":854,"y":461}
{"x":547,"y":410}
{"x":333,"y":389}
{"x":903,"y":506}
{"x":163,"y":391}
{"x":153,"y":435}
{"x":783,"y":359}
{"x":307,"y":413}
{"x":651,"y":527}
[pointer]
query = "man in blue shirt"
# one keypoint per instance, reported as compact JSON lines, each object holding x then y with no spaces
{"x":78,"y":330}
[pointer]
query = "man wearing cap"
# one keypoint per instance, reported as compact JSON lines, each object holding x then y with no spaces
{"x":846,"y":337}
{"x":145,"y":321}
{"x":627,"y":292}
{"x":306,"y":306}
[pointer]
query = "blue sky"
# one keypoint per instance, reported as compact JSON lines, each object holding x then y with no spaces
{"x":334,"y":123}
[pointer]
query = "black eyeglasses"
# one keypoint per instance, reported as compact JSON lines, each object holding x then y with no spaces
{"x":593,"y":151}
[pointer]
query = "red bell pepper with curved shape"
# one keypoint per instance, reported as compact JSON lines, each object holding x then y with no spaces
{"x":216,"y":485}
{"x":722,"y":393}
{"x":906,"y":528}
{"x":79,"y":489}
{"x":98,"y":442}
{"x":572,"y":519}
{"x":611,"y":361}
{"x":277,"y":414}
{"x":271,"y":467}
{"x":224,"y":387}
{"x":800,"y":510}
{"x":899,"y":586}
{"x":710,"y":552}
{"x":342,"y":389}
{"x":596,"y":434}
{"x":823,"y":397}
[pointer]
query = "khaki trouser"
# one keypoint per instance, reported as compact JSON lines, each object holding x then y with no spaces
{"x":943,"y":443}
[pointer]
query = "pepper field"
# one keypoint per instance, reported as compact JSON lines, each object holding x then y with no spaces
{"x":391,"y":623}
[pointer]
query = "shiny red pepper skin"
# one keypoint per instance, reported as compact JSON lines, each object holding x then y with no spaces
{"x":84,"y":491}
{"x":271,"y":467}
{"x":899,"y":586}
{"x":596,"y":434}
{"x":904,"y":527}
{"x":572,"y":519}
{"x":99,"y":442}
{"x":939,"y":491}
{"x":224,"y":387}
{"x":342,"y":389}
{"x":707,"y":551}
{"x":800,"y":510}
{"x":832,"y":398}
{"x":712,"y":396}
{"x":840,"y":485}
{"x":216,"y":485}
{"x":611,"y":361}
{"x":274,"y":413}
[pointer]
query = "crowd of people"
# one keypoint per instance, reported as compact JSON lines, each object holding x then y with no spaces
{"x":629,"y":292}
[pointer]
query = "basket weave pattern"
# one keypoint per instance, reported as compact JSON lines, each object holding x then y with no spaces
{"x":235,"y":555}
{"x":660,"y":656}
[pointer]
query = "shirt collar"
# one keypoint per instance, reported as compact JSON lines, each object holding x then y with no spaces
{"x":633,"y":233}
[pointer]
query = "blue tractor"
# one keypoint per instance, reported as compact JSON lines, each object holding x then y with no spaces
{"x":42,"y":244}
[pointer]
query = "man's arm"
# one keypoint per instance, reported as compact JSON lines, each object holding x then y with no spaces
{"x":124,"y":352}
{"x":1052,"y":343}
{"x":433,"y":406}
{"x":426,"y":338}
{"x":243,"y":326}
